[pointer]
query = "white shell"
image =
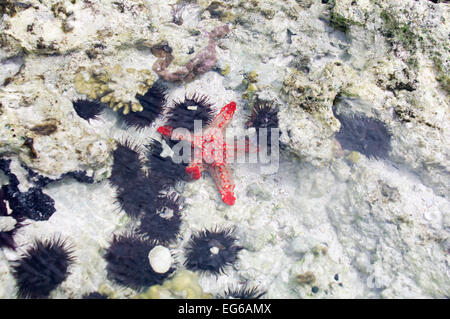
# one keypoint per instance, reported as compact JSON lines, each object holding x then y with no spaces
{"x":160,"y":259}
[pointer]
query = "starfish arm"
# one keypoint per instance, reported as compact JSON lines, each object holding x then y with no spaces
{"x":169,"y":131}
{"x":195,"y":169}
{"x":224,"y":182}
{"x":221,"y":121}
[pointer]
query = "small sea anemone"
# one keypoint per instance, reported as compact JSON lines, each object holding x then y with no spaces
{"x":244,"y":292}
{"x":264,"y":116}
{"x":184,"y":113}
{"x":127,"y":166}
{"x":153,"y":102}
{"x":162,"y":224}
{"x":33,"y":204}
{"x":88,"y":110}
{"x":211,"y":251}
{"x":163,"y":169}
{"x":138,"y":196}
{"x":42,"y":268}
{"x":365,"y":135}
{"x":128,"y":262}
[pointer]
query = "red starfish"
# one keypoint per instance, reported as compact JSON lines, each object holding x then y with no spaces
{"x":211,"y":152}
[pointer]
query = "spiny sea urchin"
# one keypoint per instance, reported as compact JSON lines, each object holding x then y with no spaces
{"x":138,"y":196}
{"x":88,"y":110}
{"x":163,"y":223}
{"x":244,"y":292}
{"x":163,"y":169}
{"x":127,"y":166}
{"x":366,"y":135}
{"x":184,"y":113}
{"x":153,"y":102}
{"x":264,"y":116}
{"x":211,"y":251}
{"x":42,"y":268}
{"x":128,"y":262}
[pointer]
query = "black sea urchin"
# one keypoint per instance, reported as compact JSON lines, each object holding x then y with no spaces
{"x":184,"y":113}
{"x":163,"y":169}
{"x":152,"y":102}
{"x":88,"y":110}
{"x":128,"y":262}
{"x":138,"y":196}
{"x":244,"y":292}
{"x":365,"y":135}
{"x":127,"y":166}
{"x":211,"y":251}
{"x":42,"y":268}
{"x":163,"y":223}
{"x":263,"y":116}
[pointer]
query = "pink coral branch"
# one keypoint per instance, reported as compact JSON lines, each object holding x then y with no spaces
{"x":202,"y":62}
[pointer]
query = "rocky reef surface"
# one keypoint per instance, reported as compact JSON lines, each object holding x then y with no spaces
{"x":359,"y":206}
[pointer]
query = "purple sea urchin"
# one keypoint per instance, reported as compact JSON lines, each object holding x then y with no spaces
{"x":365,"y":135}
{"x":138,"y":196}
{"x":163,"y":223}
{"x":88,"y":110}
{"x":127,"y":166}
{"x":128,"y":262}
{"x":211,"y":251}
{"x":184,"y":113}
{"x":153,"y":102}
{"x":244,"y":292}
{"x":42,"y":268}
